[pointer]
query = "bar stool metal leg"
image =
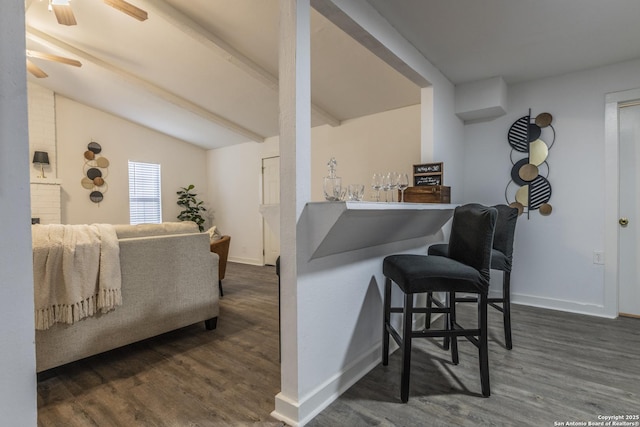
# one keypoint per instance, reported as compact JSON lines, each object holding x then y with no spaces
{"x":407,"y":317}
{"x":483,"y":344}
{"x":448,"y":298}
{"x":386,"y":320}
{"x":451,"y":316}
{"x":427,"y":319}
{"x":506,"y":308}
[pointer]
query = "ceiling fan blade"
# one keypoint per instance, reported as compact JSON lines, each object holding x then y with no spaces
{"x":64,"y":14}
{"x":128,"y":8}
{"x":35,"y":70}
{"x":55,"y":58}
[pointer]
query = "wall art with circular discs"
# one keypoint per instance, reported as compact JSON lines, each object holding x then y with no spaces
{"x":95,"y":170}
{"x":530,"y":140}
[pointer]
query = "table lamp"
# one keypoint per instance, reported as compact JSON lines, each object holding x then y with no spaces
{"x":41,"y":158}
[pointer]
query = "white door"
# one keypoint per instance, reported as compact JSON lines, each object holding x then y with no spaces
{"x":270,"y":195}
{"x":629,"y":209}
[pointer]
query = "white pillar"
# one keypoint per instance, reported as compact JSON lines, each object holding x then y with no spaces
{"x":295,"y":190}
{"x":17,"y":357}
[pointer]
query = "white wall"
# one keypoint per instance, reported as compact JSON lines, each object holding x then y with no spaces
{"x":234,"y":179}
{"x":77,"y":125}
{"x":383,"y":142}
{"x":553,"y":256}
{"x":17,"y":357}
{"x":388,"y":141}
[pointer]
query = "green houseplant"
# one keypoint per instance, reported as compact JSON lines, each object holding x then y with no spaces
{"x":191,"y":205}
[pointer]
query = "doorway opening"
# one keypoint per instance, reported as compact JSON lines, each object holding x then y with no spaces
{"x":270,"y":196}
{"x":619,"y":209}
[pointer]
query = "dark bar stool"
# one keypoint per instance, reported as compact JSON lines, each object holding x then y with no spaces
{"x":501,"y":259}
{"x":466,"y":269}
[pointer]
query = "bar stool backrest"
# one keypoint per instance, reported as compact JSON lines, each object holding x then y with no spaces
{"x":471,"y":237}
{"x":505,"y":232}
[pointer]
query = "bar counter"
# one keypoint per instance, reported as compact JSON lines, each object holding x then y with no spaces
{"x":337,"y":227}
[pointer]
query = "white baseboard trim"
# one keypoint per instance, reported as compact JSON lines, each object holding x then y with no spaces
{"x":561,"y":305}
{"x":250,"y":261}
{"x":299,"y":413}
{"x":556,"y":304}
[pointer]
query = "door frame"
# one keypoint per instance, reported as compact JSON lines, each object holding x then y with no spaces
{"x":264,"y":222}
{"x":612,"y":196}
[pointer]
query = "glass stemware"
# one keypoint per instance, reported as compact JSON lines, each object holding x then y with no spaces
{"x":392,"y":177}
{"x":386,"y":186}
{"x":403,"y":184}
{"x":376,"y":185}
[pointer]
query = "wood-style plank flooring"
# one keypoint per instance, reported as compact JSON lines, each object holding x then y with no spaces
{"x":190,"y":377}
{"x":564,"y":367}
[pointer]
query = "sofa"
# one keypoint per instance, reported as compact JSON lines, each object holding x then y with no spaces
{"x":169,"y":281}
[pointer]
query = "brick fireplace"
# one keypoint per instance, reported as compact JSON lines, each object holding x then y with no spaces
{"x":45,"y":192}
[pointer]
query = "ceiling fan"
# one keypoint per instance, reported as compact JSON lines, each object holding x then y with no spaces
{"x":37,"y":71}
{"x":64,"y":13}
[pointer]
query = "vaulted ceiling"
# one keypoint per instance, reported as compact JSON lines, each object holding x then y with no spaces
{"x":206,"y":71}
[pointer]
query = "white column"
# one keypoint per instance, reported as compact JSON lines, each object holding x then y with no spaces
{"x":17,"y":358}
{"x":295,"y":190}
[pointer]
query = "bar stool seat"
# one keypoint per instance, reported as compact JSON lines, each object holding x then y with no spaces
{"x":418,"y":274}
{"x":466,"y":269}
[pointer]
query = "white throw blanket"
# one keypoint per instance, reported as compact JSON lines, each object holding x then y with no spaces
{"x":76,"y":272}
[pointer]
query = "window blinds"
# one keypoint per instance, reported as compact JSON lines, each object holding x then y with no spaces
{"x":144,"y":193}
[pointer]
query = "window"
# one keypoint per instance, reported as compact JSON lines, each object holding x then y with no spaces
{"x":144,"y":193}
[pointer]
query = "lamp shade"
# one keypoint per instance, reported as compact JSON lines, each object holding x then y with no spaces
{"x":41,"y":157}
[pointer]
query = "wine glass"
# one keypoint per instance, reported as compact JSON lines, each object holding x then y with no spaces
{"x":403,"y":184}
{"x":376,"y":184}
{"x":392,"y":177}
{"x":386,"y":185}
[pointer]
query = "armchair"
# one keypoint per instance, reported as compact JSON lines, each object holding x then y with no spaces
{"x":221,"y":247}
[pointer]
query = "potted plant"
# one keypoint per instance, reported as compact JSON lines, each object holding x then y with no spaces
{"x":191,"y":205}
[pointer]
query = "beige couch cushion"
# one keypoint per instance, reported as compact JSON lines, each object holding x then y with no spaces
{"x":125,"y":231}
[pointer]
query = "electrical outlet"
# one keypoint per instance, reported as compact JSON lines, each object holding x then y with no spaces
{"x":598,"y":257}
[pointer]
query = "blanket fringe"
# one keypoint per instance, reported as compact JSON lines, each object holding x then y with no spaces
{"x":108,"y":299}
{"x":105,"y":301}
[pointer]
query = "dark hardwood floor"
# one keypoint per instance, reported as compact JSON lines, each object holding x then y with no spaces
{"x":564,"y":367}
{"x":190,"y":377}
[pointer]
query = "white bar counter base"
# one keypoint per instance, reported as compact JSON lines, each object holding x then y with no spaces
{"x":339,"y":289}
{"x":336,"y":227}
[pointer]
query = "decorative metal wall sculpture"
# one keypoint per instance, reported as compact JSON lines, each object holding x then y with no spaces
{"x":95,"y":171}
{"x":533,"y":139}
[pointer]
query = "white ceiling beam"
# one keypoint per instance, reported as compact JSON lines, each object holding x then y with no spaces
{"x":152,"y":88}
{"x":188,"y":26}
{"x":342,"y":20}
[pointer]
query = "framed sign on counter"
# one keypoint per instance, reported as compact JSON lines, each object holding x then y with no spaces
{"x":428,"y":174}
